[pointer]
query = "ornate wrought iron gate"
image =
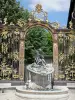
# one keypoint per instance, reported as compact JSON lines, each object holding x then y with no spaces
{"x":9,"y":52}
{"x":66,"y":42}
{"x":12,"y":48}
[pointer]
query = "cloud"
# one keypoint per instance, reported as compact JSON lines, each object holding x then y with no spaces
{"x":51,"y":5}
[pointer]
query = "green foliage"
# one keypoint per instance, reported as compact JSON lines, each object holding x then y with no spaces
{"x":11,"y":10}
{"x":36,"y":38}
{"x":25,"y":15}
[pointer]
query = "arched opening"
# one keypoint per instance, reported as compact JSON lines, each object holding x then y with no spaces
{"x":23,"y":36}
{"x":37,"y":38}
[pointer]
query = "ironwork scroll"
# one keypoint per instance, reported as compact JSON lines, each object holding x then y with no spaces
{"x":66,"y":44}
{"x":9,"y":53}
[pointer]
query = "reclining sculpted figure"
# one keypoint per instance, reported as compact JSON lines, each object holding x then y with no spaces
{"x":39,"y":58}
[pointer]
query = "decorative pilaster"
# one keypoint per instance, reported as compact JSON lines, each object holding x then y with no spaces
{"x":55,"y":56}
{"x":21,"y":57}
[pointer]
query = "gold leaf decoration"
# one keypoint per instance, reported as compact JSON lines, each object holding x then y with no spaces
{"x":21,"y":22}
{"x":4,"y":32}
{"x":70,"y":25}
{"x":4,"y":48}
{"x":15,"y":56}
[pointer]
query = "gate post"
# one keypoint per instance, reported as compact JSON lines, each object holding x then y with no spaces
{"x":21,"y":57}
{"x":55,"y":55}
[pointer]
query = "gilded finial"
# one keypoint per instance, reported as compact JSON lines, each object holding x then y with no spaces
{"x":5,"y":21}
{"x":38,"y":8}
{"x":70,"y":25}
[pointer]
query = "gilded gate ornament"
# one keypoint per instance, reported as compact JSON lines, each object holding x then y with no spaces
{"x":21,"y":22}
{"x":70,"y":25}
{"x":55,"y":25}
{"x":38,"y":8}
{"x":11,"y":23}
{"x":5,"y":70}
{"x":16,"y":32}
{"x":15,"y":56}
{"x":4,"y":48}
{"x":5,"y":21}
{"x":66,"y":53}
{"x":7,"y":55}
{"x":4,"y":33}
{"x":38,"y":14}
{"x":10,"y":55}
{"x":16,"y":38}
{"x":12,"y":35}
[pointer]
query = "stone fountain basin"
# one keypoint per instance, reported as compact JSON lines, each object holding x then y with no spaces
{"x":40,"y":70}
{"x":58,"y":93}
{"x":39,"y":75}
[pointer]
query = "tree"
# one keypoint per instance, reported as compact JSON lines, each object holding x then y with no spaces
{"x":25,"y":14}
{"x":11,"y":10}
{"x":36,"y":38}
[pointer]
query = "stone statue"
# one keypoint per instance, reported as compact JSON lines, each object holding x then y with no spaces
{"x":39,"y":58}
{"x":40,"y":72}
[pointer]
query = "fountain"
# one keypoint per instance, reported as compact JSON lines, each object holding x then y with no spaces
{"x":39,"y":82}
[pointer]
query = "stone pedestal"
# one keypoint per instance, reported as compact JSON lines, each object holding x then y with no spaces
{"x":42,"y":81}
{"x":39,"y":76}
{"x":59,"y":93}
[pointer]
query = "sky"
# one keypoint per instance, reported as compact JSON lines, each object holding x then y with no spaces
{"x":58,"y":10}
